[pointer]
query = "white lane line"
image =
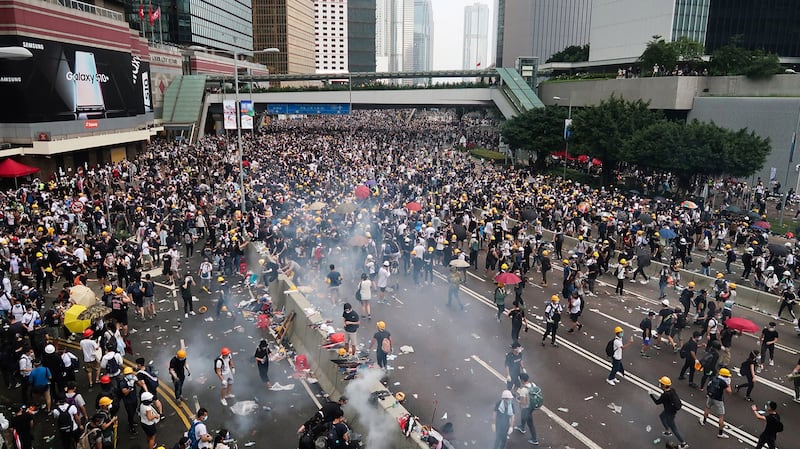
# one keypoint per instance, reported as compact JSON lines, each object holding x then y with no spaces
{"x":771,"y":384}
{"x":565,"y":425}
{"x":632,"y":378}
{"x":183,"y":344}
{"x":175,"y":303}
{"x":614,"y":319}
{"x":168,"y":287}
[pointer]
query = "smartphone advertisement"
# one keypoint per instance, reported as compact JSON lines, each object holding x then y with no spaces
{"x":62,"y":81}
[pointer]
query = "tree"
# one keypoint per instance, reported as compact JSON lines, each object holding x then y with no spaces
{"x":688,"y":50}
{"x":697,"y":150}
{"x":573,"y":53}
{"x":733,"y":59}
{"x":539,"y":130}
{"x":601,"y":131}
{"x":658,"y":51}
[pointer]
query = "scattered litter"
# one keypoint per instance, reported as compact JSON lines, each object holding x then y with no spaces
{"x":278,"y":387}
{"x":415,"y":395}
{"x":574,"y":424}
{"x":657,"y":440}
{"x":448,"y":387}
{"x":588,"y":398}
{"x":250,"y":444}
{"x":615,"y":408}
{"x":202,"y":380}
{"x":208,"y":319}
{"x":396,"y":384}
{"x":243,"y":408}
{"x":475,"y":336}
{"x":391,"y":357}
{"x":400,"y":367}
{"x":469,"y":416}
{"x":467,"y":360}
{"x":563,"y":410}
{"x":648,"y":428}
{"x":406,"y":349}
{"x":444,"y":416}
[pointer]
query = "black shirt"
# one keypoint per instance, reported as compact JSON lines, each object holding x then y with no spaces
{"x":178,"y":365}
{"x":350,"y":316}
{"x":514,"y":362}
{"x":773,"y":421}
{"x":768,"y":335}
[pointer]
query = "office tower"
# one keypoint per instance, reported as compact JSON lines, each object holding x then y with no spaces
{"x":287,"y":25}
{"x":361,"y":34}
{"x":476,"y":37}
{"x":330,"y":36}
{"x":394,"y":35}
{"x":539,"y":28}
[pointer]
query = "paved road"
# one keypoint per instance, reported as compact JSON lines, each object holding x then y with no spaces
{"x":457,"y":369}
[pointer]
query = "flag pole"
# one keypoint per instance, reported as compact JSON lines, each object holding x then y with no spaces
{"x":160,"y":30}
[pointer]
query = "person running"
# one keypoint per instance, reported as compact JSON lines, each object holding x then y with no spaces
{"x":715,"y":401}
{"x":774,"y":425}
{"x":616,"y":357}
{"x":552,"y":314}
{"x":672,"y":404}
{"x":748,"y":370}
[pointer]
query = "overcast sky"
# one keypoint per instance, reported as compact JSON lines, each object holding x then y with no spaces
{"x":448,"y":32}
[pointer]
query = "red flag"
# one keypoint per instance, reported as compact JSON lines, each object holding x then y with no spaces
{"x":141,"y":11}
{"x":150,"y":13}
{"x":478,"y":64}
{"x":157,"y":13}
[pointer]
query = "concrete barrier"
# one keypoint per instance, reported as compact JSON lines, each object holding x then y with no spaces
{"x":308,"y":339}
{"x":751,"y":298}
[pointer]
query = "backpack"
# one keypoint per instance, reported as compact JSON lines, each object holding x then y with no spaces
{"x":325,"y":436}
{"x":677,"y":404}
{"x":715,"y":389}
{"x":684,"y":352}
{"x":87,"y":439}
{"x":708,"y":362}
{"x":64,"y":420}
{"x":644,"y":324}
{"x":193,"y":441}
{"x":610,"y":348}
{"x":386,"y":345}
{"x":112,"y":366}
{"x":535,"y":397}
{"x":780,"y":424}
{"x":150,"y":379}
{"x":217,"y":361}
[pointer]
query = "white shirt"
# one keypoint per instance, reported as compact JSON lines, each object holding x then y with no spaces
{"x":366,"y":289}
{"x":576,"y":305}
{"x":383,"y":277}
{"x":199,"y":431}
{"x":25,"y":365}
{"x":80,"y":254}
{"x":617,"y":348}
{"x":108,"y":356}
{"x":89,"y":346}
{"x":67,"y":408}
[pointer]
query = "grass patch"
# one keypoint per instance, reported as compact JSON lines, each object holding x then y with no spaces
{"x":483,"y":153}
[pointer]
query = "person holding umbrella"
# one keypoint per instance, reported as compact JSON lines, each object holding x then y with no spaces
{"x":500,"y":299}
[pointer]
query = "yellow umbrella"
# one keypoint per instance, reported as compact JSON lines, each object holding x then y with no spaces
{"x":71,"y":320}
{"x":82,"y":295}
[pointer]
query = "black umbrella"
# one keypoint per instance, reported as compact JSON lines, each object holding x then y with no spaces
{"x":530,"y":214}
{"x":776,"y":249}
{"x":645,"y":218}
{"x":460,"y":231}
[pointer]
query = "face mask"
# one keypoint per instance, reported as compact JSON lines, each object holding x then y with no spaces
{"x":771,"y":328}
{"x":621,"y":334}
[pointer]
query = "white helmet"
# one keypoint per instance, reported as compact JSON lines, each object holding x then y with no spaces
{"x":787,"y":273}
{"x":147,"y":396}
{"x":770,"y":268}
{"x":788,"y":244}
{"x":665,"y":302}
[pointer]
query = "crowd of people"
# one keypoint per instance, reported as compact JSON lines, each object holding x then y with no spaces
{"x":332,"y":200}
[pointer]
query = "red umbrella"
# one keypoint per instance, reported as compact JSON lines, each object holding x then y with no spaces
{"x":742,"y":324}
{"x":413,"y":206}
{"x":362,"y":192}
{"x":761,"y":224}
{"x":508,"y":278}
{"x":561,"y":154}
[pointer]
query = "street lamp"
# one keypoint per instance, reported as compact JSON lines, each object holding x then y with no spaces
{"x":567,"y":125}
{"x":239,"y":118}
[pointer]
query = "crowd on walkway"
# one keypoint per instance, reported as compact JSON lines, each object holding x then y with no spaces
{"x":358,"y":202}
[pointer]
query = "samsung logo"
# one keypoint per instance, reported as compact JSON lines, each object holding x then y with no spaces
{"x":33,"y":45}
{"x":10,"y":79}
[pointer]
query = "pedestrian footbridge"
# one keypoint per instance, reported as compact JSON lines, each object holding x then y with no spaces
{"x":188,"y":107}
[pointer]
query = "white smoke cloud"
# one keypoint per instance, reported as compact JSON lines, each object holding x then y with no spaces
{"x":379,"y":427}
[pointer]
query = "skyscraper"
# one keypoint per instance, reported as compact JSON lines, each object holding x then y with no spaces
{"x":287,"y":25}
{"x":330,"y":36}
{"x":539,"y":28}
{"x":394,"y":35}
{"x":423,"y":36}
{"x":476,"y":36}
{"x":361,"y":35}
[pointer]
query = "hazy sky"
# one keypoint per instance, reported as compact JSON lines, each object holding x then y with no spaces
{"x":448,"y":32}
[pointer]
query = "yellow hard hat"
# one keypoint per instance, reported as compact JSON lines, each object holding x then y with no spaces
{"x":617,"y":330}
{"x":595,"y":254}
{"x":639,"y":232}
{"x":725,"y":372}
{"x":504,"y":267}
{"x":691,"y":284}
{"x":48,"y":270}
{"x":181,"y":353}
{"x":445,"y":242}
{"x":127,"y":370}
{"x":580,"y":237}
{"x":39,"y":254}
{"x":623,"y":261}
{"x":342,"y":352}
{"x":657,"y":234}
{"x":107,"y":289}
{"x":220,"y":279}
{"x":555,"y":298}
{"x":400,"y":396}
{"x":430,"y":249}
{"x":380,"y":325}
{"x":118,"y":290}
{"x":105,"y":400}
{"x":732,"y":286}
{"x":545,"y":253}
{"x":728,"y":246}
{"x":666,"y":381}
{"x":413,"y":253}
{"x":565,"y":262}
{"x":454,"y":237}
{"x":720,"y":275}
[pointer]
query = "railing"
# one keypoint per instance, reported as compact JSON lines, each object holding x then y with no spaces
{"x":90,"y":9}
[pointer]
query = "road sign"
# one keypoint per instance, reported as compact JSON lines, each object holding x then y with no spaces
{"x":77,"y":206}
{"x":308,"y":109}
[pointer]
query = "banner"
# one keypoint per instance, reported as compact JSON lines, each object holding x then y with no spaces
{"x":247,"y":112}
{"x":63,"y":81}
{"x":229,"y":114}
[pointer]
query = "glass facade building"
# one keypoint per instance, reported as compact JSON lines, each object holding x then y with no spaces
{"x":220,"y":25}
{"x":361,"y":22}
{"x":423,"y":35}
{"x":287,"y":25}
{"x":690,"y":19}
{"x":770,"y":25}
{"x":476,"y":36}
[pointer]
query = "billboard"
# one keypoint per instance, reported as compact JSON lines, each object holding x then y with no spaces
{"x":63,"y":81}
{"x":246,"y":114}
{"x":229,"y":114}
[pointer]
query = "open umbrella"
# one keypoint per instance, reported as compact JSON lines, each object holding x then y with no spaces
{"x":413,"y":206}
{"x":71,"y":320}
{"x":732,"y":209}
{"x":754,"y":215}
{"x":761,"y":225}
{"x":346,"y":208}
{"x":317,"y":205}
{"x":400,"y":212}
{"x":362,"y":192}
{"x":82,"y":295}
{"x":776,"y":249}
{"x":530,"y":214}
{"x":667,"y":233}
{"x":689,"y":205}
{"x":742,"y":324}
{"x":645,"y":218}
{"x":508,"y":278}
{"x":94,"y":312}
{"x":583,"y":207}
{"x":358,"y":240}
{"x":458,"y":263}
{"x":371,"y":183}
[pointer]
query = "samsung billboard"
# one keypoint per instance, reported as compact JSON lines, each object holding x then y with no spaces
{"x":64,"y":81}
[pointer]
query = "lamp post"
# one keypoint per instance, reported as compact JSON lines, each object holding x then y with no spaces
{"x":239,"y":119}
{"x":567,"y":125}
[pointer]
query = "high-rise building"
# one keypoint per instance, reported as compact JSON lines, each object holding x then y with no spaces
{"x":771,"y":25}
{"x":218,"y":25}
{"x":539,"y":28}
{"x":423,"y":36}
{"x":287,"y":25}
{"x":394,"y":35}
{"x":476,"y":36}
{"x":361,"y":35}
{"x":330,"y":36}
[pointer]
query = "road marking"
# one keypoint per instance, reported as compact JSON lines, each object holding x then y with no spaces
{"x":616,"y":320}
{"x":632,"y":378}
{"x":196,"y":402}
{"x":550,"y":414}
{"x":176,"y":304}
{"x":476,"y":276}
{"x":168,"y":287}
{"x":183,"y":345}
